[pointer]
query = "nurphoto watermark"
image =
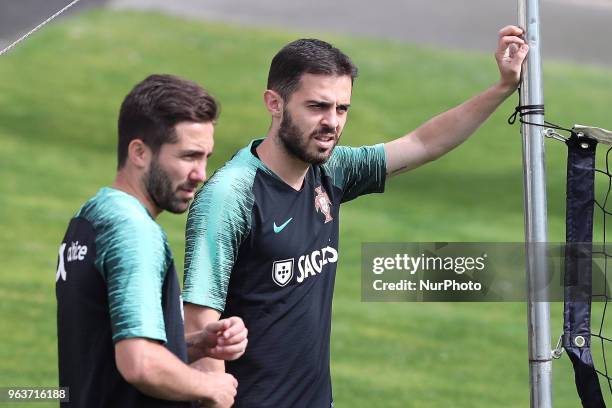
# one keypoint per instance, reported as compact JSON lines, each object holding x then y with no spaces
{"x":483,"y":272}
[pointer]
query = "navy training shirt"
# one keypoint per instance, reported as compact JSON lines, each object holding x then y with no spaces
{"x":115,"y":280}
{"x":258,"y":249}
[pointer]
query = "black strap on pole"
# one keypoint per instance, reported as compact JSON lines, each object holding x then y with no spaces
{"x":578,"y":268}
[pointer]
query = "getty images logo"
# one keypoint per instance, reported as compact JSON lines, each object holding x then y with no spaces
{"x":308,"y":265}
{"x":75,"y":251}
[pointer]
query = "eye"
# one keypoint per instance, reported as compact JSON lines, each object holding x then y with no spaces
{"x":192,"y":156}
{"x":342,"y":109}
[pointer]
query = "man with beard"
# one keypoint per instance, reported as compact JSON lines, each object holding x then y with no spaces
{"x":120,"y":327}
{"x":262,"y":235}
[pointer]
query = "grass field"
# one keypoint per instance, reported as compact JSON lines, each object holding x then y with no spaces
{"x":59,"y":98}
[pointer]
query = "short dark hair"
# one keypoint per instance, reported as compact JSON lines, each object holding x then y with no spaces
{"x":306,"y":56}
{"x":155,"y":106}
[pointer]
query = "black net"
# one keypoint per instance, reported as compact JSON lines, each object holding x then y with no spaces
{"x":586,"y":292}
{"x":602,"y":256}
{"x":586,"y":268}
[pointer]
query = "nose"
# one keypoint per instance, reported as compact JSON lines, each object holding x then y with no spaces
{"x":198,"y":174}
{"x":330,"y":119}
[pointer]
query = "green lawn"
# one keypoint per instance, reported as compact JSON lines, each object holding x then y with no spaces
{"x":59,"y":97}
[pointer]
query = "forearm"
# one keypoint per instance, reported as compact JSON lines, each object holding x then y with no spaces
{"x":444,"y":132}
{"x":196,"y":348}
{"x":173,"y":380}
{"x":208,"y":364}
{"x":449,"y":129}
{"x":198,"y":354}
{"x":157,"y":372}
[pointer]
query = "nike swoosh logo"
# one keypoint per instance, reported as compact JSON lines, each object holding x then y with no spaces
{"x":279,"y":229}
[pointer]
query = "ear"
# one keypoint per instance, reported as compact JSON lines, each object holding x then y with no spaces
{"x":274,"y":103}
{"x":139,"y":154}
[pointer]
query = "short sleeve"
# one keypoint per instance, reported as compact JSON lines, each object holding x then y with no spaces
{"x":358,"y":171}
{"x":218,"y":221}
{"x":133,"y":261}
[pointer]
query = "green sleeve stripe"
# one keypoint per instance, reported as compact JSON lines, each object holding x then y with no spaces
{"x":358,"y":171}
{"x":219,"y":220}
{"x":133,"y":256}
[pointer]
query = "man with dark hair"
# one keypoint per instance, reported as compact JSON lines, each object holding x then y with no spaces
{"x":262,"y":235}
{"x":121,"y":336}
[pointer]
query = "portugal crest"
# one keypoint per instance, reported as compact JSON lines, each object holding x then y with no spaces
{"x":323,"y":203}
{"x":282,"y":272}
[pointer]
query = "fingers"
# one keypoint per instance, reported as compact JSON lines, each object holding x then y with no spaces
{"x":514,"y":50}
{"x":231,"y":352}
{"x":508,"y":40}
{"x":233,"y":326}
{"x":234,"y":380}
{"x":511,"y":52}
{"x":231,"y":340}
{"x":224,"y":389}
{"x":511,"y":48}
{"x":510,"y":30}
{"x":522,"y":52}
{"x":224,"y":324}
{"x":234,"y":339}
{"x":215,"y":327}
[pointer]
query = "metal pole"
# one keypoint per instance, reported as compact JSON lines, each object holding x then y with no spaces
{"x":540,"y":363}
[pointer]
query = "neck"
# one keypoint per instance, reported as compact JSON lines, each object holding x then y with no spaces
{"x":285,"y":165}
{"x":135,"y":188}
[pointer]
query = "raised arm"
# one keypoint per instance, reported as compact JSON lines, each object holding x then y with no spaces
{"x":447,"y":130}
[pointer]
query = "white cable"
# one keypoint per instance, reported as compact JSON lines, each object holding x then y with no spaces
{"x":32,"y":31}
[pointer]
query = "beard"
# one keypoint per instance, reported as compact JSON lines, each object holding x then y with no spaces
{"x":159,"y":187}
{"x":296,"y":142}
